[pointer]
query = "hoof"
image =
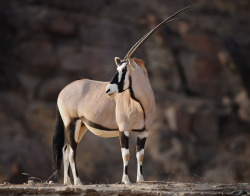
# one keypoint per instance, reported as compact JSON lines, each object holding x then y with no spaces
{"x":67,"y":183}
{"x":125,"y":180}
{"x":77,"y":182}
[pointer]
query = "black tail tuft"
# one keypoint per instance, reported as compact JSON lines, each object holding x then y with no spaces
{"x":58,"y":141}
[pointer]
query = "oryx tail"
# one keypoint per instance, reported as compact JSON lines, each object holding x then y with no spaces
{"x":58,"y":140}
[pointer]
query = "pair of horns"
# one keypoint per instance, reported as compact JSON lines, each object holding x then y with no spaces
{"x":139,"y":43}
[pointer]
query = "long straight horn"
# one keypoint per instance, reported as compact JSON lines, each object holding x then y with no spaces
{"x":139,"y":43}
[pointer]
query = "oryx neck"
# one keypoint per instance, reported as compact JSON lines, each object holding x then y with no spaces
{"x":132,"y":95}
{"x":141,"y":92}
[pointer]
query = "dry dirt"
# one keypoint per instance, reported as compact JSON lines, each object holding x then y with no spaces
{"x":146,"y":188}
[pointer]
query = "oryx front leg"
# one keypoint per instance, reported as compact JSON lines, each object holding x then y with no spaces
{"x":141,"y":139}
{"x":124,"y":142}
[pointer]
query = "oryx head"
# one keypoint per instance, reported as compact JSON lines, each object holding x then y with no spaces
{"x":120,"y":80}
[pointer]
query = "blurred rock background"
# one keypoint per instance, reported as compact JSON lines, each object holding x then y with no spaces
{"x":199,"y":68}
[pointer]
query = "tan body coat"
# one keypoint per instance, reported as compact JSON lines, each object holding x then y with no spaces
{"x":87,"y":98}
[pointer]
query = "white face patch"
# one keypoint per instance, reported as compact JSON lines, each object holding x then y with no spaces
{"x":119,"y":69}
{"x":126,"y":80}
{"x":111,"y":89}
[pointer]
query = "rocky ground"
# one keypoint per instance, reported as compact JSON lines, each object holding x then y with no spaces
{"x":147,"y":188}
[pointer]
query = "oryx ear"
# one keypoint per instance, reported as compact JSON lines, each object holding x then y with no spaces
{"x":141,"y":63}
{"x":131,"y":63}
{"x":117,"y":61}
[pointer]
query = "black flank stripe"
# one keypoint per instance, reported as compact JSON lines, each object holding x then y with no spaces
{"x":139,"y":130}
{"x":95,"y":125}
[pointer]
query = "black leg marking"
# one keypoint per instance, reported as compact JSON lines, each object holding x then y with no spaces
{"x":71,"y":135}
{"x":124,"y":140}
{"x":65,"y":148}
{"x":126,"y":170}
{"x":76,"y":168}
{"x":140,"y":144}
{"x":140,"y":154}
{"x":141,"y":169}
{"x":69,"y":171}
{"x":72,"y":142}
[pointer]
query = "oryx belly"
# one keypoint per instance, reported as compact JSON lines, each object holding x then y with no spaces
{"x":103,"y":133}
{"x":99,"y":129}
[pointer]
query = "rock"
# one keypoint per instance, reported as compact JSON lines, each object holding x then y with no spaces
{"x":201,"y":42}
{"x":37,"y":55}
{"x":31,"y":182}
{"x":244,"y":103}
{"x":51,"y":88}
{"x":56,"y":22}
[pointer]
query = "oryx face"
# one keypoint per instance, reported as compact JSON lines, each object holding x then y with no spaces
{"x":120,"y":81}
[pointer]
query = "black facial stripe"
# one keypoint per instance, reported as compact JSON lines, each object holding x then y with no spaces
{"x":121,"y":83}
{"x":115,"y":79}
{"x":124,"y":140}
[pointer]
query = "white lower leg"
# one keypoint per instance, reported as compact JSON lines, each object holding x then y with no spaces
{"x":141,"y":139}
{"x":125,"y":157}
{"x":66,"y":165}
{"x":139,"y":156}
{"x":77,"y":180}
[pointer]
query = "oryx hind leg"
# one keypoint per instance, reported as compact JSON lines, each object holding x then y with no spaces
{"x":141,"y":140}
{"x":66,"y":175}
{"x":74,"y":131}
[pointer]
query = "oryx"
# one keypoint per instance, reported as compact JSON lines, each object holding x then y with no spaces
{"x":107,"y":109}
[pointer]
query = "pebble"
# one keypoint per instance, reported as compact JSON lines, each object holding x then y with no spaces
{"x":31,"y":182}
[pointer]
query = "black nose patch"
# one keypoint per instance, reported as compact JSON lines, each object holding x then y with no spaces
{"x":107,"y":91}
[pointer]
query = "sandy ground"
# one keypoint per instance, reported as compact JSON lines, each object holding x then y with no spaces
{"x":146,"y":188}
